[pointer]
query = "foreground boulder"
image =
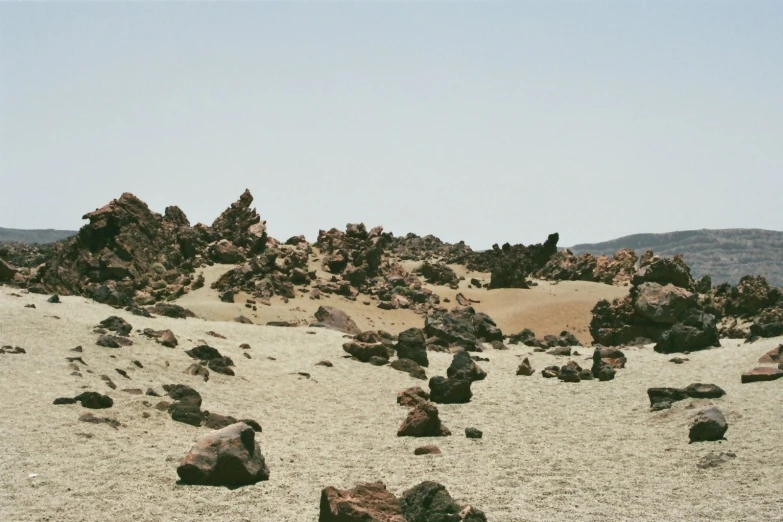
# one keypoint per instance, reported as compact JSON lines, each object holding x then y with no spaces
{"x":226,"y":457}
{"x":431,"y":502}
{"x":709,"y":425}
{"x":423,"y":421}
{"x":762,"y":374}
{"x":370,"y":502}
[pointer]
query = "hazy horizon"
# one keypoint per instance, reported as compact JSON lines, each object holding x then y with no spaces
{"x":485,"y":122}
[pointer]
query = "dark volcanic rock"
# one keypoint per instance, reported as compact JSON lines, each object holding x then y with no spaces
{"x":94,"y":400}
{"x":431,"y":502}
{"x":364,"y":352}
{"x":709,"y":425}
{"x":118,"y":325}
{"x":411,"y":344}
{"x":525,"y":368}
{"x":410,"y":367}
{"x":454,"y":390}
{"x":411,"y":397}
{"x":464,"y":367}
{"x":112,"y":341}
{"x":473,"y":433}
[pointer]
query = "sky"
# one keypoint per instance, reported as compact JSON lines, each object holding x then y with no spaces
{"x":479,"y":121}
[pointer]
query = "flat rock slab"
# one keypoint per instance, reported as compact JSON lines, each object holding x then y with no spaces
{"x":762,"y":373}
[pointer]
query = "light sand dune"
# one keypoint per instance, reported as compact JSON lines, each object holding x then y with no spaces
{"x":551,"y":451}
{"x":546,"y":309}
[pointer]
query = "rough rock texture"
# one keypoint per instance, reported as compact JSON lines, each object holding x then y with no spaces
{"x":462,"y":327}
{"x":565,"y":266}
{"x":762,"y":374}
{"x":336,"y":319}
{"x":369,"y":502}
{"x":411,"y":397}
{"x":525,"y":368}
{"x":411,"y":344}
{"x":423,"y":421}
{"x":410,"y":367}
{"x":431,"y":502}
{"x":125,"y":252}
{"x":452,"y":390}
{"x":366,"y":351}
{"x":708,"y":425}
{"x":227,"y":457}
{"x":438,"y":274}
{"x":464,"y":367}
{"x":511,"y":266}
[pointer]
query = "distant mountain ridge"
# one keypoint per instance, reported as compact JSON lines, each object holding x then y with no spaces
{"x":28,"y":237}
{"x":725,"y":254}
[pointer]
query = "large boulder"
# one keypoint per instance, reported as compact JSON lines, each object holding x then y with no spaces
{"x":226,"y":457}
{"x":697,"y":331}
{"x":663,"y":304}
{"x":708,"y":425}
{"x":411,"y":344}
{"x":370,"y":502}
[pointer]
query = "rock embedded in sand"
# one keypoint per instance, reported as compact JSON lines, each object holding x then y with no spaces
{"x":429,"y":449}
{"x":473,"y":433}
{"x":364,"y":351}
{"x":370,"y":502}
{"x":423,"y":421}
{"x":463,"y":366}
{"x":112,"y":341}
{"x":94,"y":400}
{"x":226,"y":457}
{"x":708,"y":425}
{"x":409,"y":367}
{"x":431,"y":502}
{"x":762,"y":374}
{"x":525,"y":368}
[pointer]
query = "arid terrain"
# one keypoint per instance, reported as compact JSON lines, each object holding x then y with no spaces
{"x":551,"y":450}
{"x":153,"y":370}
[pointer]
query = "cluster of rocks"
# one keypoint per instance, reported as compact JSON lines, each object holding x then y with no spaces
{"x":461,"y":327}
{"x":605,"y":361}
{"x":754,"y":301}
{"x":12,"y":350}
{"x":212,"y":359}
{"x":566,"y":266}
{"x":565,"y":340}
{"x":662,"y":307}
{"x":92,"y":400}
{"x":427,"y":248}
{"x":511,"y":266}
{"x":186,"y":409}
{"x":372,"y":502}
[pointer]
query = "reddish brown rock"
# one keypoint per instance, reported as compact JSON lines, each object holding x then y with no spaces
{"x":773,"y":356}
{"x":423,"y":421}
{"x":370,"y":502}
{"x":761,"y":374}
{"x":364,"y":352}
{"x":412,"y":397}
{"x":429,"y":449}
{"x":227,"y":457}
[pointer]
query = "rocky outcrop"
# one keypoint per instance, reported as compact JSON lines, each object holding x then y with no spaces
{"x":226,"y":457}
{"x":660,"y":306}
{"x":463,"y":327}
{"x":511,"y":266}
{"x":565,"y":266}
{"x":125,"y":253}
{"x":438,"y":274}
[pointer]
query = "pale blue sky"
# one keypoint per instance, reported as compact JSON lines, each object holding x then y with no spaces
{"x":482,"y":121}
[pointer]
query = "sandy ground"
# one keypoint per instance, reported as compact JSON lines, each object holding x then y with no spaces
{"x":547,"y":308}
{"x":551,"y":451}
